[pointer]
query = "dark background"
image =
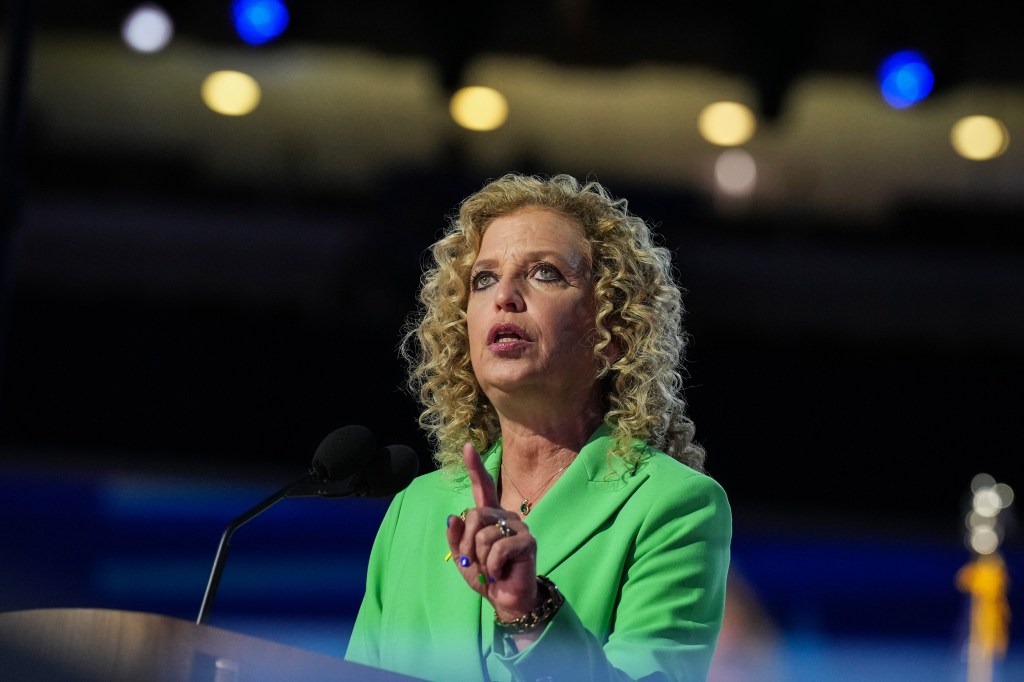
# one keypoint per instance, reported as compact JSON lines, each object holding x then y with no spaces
{"x":847,"y":377}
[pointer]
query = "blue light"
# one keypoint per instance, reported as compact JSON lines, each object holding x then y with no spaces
{"x":259,"y":21}
{"x":905,"y":79}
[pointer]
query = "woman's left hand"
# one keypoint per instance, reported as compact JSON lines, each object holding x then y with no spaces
{"x":499,"y":563}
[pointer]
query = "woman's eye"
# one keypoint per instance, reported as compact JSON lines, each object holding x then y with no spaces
{"x":547,"y":273}
{"x":482,"y":280}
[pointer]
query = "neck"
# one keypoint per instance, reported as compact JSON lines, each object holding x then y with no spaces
{"x":534,"y":438}
{"x":540,"y":438}
{"x":533,"y":460}
{"x":525,"y":497}
{"x":564,"y":418}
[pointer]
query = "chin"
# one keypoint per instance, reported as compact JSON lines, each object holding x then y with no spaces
{"x":510,"y":383}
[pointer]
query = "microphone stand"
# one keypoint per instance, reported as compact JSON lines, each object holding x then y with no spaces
{"x":225,"y":542}
{"x":319,"y":482}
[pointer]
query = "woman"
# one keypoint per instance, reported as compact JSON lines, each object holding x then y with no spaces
{"x":585,"y":543}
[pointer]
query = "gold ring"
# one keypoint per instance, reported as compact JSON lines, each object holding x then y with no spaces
{"x":503,"y":528}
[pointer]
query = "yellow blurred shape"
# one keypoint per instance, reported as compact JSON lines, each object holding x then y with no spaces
{"x":986,"y":580}
{"x":231,"y":93}
{"x":479,"y":108}
{"x":979,"y":138}
{"x":727,"y":124}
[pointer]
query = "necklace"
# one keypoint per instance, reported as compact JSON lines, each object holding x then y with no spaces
{"x":525,"y":506}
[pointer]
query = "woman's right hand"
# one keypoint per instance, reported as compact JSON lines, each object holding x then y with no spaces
{"x":499,"y":564}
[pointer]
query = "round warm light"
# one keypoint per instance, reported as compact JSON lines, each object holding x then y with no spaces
{"x":231,"y":93}
{"x":984,"y":540}
{"x":736,"y":172}
{"x":727,"y":124}
{"x":479,"y":108}
{"x":979,"y":138}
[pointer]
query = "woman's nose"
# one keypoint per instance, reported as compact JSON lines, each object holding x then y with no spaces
{"x":508,"y":296}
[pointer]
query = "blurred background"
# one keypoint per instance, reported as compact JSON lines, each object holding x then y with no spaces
{"x":215,"y":215}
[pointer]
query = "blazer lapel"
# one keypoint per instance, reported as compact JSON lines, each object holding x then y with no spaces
{"x":580,"y":502}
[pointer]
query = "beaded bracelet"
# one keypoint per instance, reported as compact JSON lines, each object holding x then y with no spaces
{"x":532,"y":620}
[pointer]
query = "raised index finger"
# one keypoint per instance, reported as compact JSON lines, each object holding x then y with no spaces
{"x":484,"y":492}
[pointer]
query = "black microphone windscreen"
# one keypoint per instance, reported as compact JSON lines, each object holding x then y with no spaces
{"x":345,"y":451}
{"x":394,"y":474}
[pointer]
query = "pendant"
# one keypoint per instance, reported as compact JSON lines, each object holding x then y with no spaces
{"x":524,"y":508}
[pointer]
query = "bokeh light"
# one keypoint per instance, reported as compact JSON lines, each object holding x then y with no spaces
{"x":479,"y":108}
{"x":988,"y":500}
{"x":735,"y":172}
{"x":147,"y":28}
{"x":984,"y":540}
{"x":259,"y":21}
{"x":905,"y":78}
{"x":231,"y":93}
{"x":1005,"y":493}
{"x":727,"y":124}
{"x":979,"y":138}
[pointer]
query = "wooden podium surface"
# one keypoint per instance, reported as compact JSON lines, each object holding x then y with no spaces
{"x":100,"y":645}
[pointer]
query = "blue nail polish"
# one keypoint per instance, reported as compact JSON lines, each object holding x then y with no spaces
{"x":464,"y":561}
{"x":448,"y":521}
{"x":491,"y":579}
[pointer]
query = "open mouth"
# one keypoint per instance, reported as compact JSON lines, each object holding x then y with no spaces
{"x":506,"y":333}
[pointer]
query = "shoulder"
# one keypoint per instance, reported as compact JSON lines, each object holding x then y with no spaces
{"x":656,"y":479}
{"x":674,"y":489}
{"x":664,"y":472}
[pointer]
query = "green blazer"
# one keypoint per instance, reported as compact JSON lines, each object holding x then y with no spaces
{"x":641,"y":558}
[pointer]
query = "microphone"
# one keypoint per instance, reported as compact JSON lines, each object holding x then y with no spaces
{"x":347,"y":463}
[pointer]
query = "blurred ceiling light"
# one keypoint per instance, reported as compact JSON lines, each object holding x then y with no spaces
{"x":1005,"y":493}
{"x":231,"y":93}
{"x":259,"y":21}
{"x":988,"y":500}
{"x":979,"y":138}
{"x":905,"y":79}
{"x":984,"y":540}
{"x":982,"y":480}
{"x":735,"y":172}
{"x":147,"y":28}
{"x":727,"y":124}
{"x":479,"y":108}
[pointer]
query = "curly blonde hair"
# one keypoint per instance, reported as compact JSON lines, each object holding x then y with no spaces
{"x":638,"y":307}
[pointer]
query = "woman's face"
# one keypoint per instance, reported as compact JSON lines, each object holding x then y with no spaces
{"x":530,"y":314}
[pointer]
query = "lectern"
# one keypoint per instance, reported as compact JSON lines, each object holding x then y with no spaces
{"x":102,"y":645}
